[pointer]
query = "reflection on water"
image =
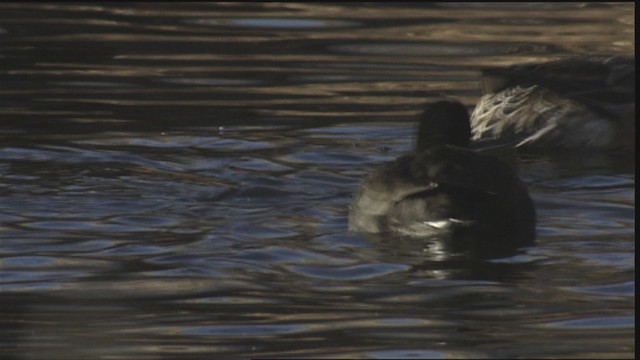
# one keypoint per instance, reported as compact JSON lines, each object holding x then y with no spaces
{"x":174,"y":182}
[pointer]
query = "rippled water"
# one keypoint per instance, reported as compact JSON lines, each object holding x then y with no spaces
{"x":174,"y":183}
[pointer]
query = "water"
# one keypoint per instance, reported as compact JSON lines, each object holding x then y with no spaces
{"x":174,"y":183}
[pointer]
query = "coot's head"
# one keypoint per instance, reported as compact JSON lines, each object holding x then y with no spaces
{"x":444,"y":122}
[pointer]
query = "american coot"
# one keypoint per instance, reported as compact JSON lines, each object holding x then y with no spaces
{"x":447,"y":190}
{"x":575,"y":103}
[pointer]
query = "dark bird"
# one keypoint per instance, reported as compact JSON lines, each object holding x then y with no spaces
{"x":445,"y":189}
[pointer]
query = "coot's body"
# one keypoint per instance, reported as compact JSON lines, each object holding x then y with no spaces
{"x":445,"y":189}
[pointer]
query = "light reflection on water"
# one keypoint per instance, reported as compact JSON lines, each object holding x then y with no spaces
{"x":174,"y":182}
{"x":273,"y":23}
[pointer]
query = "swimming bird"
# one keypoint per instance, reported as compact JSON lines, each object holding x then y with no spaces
{"x":584,"y":103}
{"x":445,"y":189}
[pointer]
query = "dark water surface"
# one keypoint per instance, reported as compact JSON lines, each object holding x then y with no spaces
{"x":175,"y":177}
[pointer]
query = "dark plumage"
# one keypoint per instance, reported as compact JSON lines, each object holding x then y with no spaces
{"x":445,"y":189}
